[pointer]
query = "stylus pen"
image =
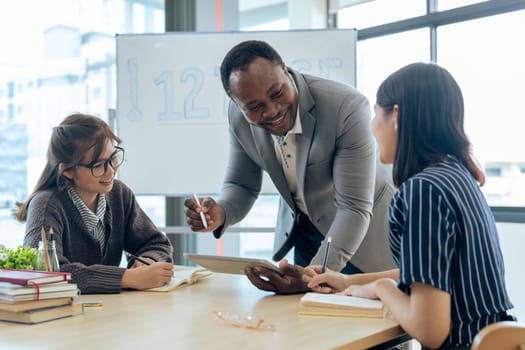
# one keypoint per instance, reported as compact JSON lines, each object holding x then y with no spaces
{"x":137,"y":258}
{"x":203,"y":218}
{"x":328,"y":241}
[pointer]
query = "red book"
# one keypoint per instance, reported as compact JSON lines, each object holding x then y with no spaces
{"x":28,"y":277}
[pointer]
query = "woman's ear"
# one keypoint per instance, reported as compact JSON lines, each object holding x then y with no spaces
{"x":395,"y":109}
{"x":66,"y":172}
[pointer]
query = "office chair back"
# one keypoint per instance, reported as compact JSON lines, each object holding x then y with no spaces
{"x":506,"y":335}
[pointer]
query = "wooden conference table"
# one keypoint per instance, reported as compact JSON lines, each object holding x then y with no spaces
{"x":184,"y":319}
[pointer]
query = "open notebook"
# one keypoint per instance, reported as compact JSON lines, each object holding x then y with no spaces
{"x":339,"y":305}
{"x":182,"y":275}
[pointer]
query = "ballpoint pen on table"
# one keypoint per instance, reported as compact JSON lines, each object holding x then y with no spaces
{"x":328,"y":241}
{"x":203,"y":218}
{"x":139,"y":259}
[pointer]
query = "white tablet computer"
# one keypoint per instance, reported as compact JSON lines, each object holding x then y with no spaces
{"x":229,"y":264}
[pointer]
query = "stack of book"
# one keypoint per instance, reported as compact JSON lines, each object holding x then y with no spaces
{"x":36,"y":296}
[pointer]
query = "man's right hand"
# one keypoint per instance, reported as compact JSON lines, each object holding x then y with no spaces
{"x":213,"y":212}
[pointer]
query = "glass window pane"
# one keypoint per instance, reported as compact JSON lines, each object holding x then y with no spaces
{"x":491,"y":73}
{"x":61,"y":59}
{"x":379,"y":57}
{"x":373,"y":13}
{"x":283,"y":24}
{"x":450,"y":4}
{"x":154,"y":207}
{"x":262,"y":215}
{"x":263,"y":15}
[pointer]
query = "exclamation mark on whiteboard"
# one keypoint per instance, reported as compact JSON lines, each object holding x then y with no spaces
{"x":134,"y":112}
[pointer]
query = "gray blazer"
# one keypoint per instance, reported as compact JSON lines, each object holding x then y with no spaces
{"x":336,"y":170}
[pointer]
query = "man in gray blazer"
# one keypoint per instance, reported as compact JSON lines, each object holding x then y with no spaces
{"x":313,"y":137}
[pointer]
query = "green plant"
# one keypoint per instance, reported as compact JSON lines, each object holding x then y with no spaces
{"x":20,"y":258}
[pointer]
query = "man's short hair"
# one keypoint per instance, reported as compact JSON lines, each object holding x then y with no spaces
{"x":242,"y":54}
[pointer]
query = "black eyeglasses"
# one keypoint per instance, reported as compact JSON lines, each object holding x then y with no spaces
{"x":99,"y":167}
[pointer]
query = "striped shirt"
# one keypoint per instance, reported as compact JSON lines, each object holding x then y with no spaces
{"x":93,"y":221}
{"x":443,"y":233}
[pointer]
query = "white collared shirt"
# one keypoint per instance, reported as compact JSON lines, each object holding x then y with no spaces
{"x":93,"y":221}
{"x":286,"y":152}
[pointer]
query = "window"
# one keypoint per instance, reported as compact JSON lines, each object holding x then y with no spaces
{"x":263,"y":15}
{"x":263,"y":214}
{"x":493,"y":171}
{"x":61,"y":60}
{"x":378,"y":57}
{"x":469,"y":49}
{"x":377,"y":12}
{"x":450,"y":4}
{"x":492,"y":119}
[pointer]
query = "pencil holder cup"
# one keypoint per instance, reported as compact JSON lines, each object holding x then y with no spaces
{"x":47,"y":259}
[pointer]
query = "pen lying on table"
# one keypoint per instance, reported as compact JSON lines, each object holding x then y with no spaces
{"x":139,"y":259}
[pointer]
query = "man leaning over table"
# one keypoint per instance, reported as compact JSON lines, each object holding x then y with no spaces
{"x":313,"y":137}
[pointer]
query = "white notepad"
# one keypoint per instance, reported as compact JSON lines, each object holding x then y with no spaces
{"x":182,"y":275}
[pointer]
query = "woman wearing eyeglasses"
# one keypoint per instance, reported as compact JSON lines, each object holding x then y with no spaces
{"x":94,"y":216}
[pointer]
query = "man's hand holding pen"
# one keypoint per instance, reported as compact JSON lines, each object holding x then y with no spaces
{"x":213,"y":214}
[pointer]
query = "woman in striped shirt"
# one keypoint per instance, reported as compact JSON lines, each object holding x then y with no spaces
{"x":450,"y":282}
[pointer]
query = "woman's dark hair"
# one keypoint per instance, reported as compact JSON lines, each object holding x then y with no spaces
{"x":70,"y":141}
{"x":242,"y":54}
{"x":430,"y":119}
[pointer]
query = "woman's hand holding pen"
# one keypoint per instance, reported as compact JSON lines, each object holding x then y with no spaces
{"x":328,"y":282}
{"x":336,"y":282}
{"x":213,"y":214}
{"x":147,"y":276}
{"x":145,"y":261}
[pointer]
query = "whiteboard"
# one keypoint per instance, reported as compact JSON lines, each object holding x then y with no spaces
{"x":172,"y":110}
